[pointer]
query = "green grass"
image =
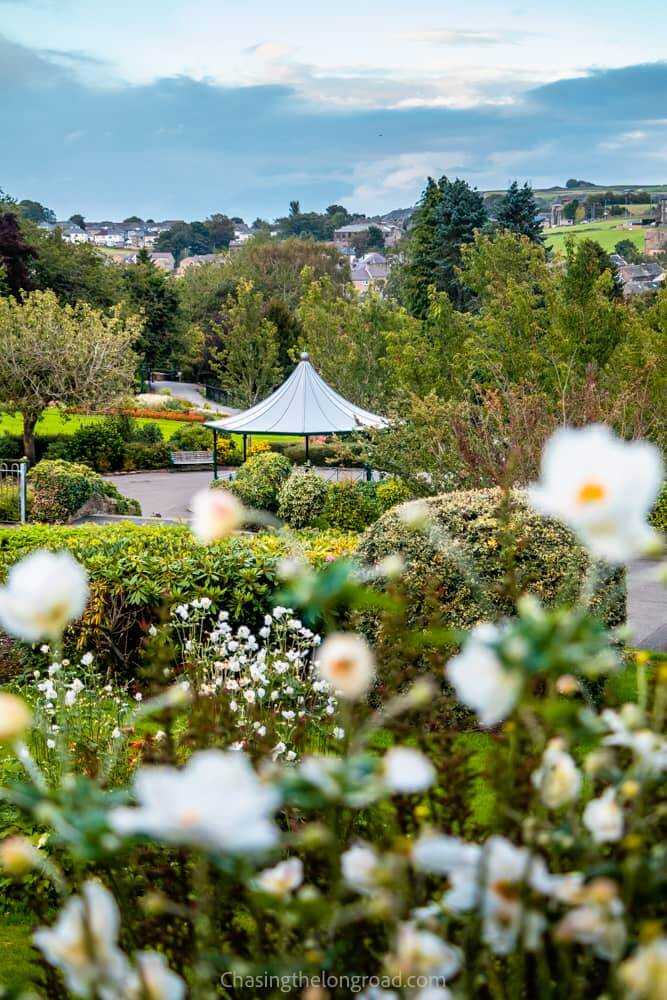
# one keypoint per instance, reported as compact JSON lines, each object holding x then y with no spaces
{"x":17,"y":958}
{"x":607,"y":233}
{"x":55,"y":422}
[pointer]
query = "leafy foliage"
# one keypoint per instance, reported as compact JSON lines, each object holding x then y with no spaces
{"x":301,"y":499}
{"x":60,"y":489}
{"x":259,"y":480}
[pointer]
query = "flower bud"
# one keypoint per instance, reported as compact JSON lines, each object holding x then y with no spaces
{"x":15,"y":717}
{"x":18,"y":856}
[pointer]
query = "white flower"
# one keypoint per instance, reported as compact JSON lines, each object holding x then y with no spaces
{"x":414,"y":514}
{"x":481,"y":681}
{"x":152,"y":631}
{"x":490,"y":878}
{"x":649,"y":747}
{"x":406,"y":771}
{"x":558,"y":779}
{"x":603,"y":817}
{"x":87,"y":659}
{"x":15,"y":717}
{"x":602,"y":488}
{"x":215,"y":514}
{"x":116,"y":733}
{"x":83,"y":942}
{"x":283,"y":878}
{"x":421,"y":953}
{"x":644,"y":974}
{"x":215,"y":801}
{"x":346,"y":662}
{"x":360,"y":866}
{"x":597,"y":921}
{"x":338,"y":733}
{"x":43,"y":594}
{"x":153,"y":979}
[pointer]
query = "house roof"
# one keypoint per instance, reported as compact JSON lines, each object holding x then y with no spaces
{"x":304,"y":404}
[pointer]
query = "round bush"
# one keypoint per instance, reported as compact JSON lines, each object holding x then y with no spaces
{"x":258,"y":448}
{"x":192,"y":437}
{"x":455,"y":568}
{"x":141,"y":455}
{"x":260,"y":479}
{"x":392,"y":491}
{"x":350,"y":505}
{"x":100,"y":445}
{"x":301,"y":499}
{"x":60,"y":489}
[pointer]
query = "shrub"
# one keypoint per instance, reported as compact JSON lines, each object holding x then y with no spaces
{"x":140,"y":455}
{"x":134,"y":569}
{"x":392,"y":491}
{"x":659,"y":514}
{"x":60,"y":489}
{"x":9,"y":503}
{"x":259,"y":480}
{"x":192,"y":437}
{"x":467,"y":531}
{"x":100,"y":446}
{"x":301,"y":499}
{"x":10,"y":448}
{"x":350,"y":505}
{"x":258,"y":448}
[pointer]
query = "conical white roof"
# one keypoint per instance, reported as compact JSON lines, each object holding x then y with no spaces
{"x":304,"y":404}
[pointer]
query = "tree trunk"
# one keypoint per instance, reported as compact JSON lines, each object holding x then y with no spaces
{"x":29,"y":421}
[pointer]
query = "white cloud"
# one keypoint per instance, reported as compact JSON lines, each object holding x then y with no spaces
{"x":466,"y":37}
{"x":398,"y":180}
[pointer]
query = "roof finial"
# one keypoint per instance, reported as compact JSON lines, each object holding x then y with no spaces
{"x":304,"y":356}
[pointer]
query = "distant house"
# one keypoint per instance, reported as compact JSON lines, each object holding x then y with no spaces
{"x":346,"y":236}
{"x":655,"y":241}
{"x":165,"y":261}
{"x":370,"y":272}
{"x":197,"y":260}
{"x":639,"y":278}
{"x":71,"y":233}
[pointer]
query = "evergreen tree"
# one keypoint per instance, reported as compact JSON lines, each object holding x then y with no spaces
{"x":517,"y":211}
{"x":449,"y":214}
{"x":247,"y":364}
{"x":16,"y":256}
{"x":150,"y":292}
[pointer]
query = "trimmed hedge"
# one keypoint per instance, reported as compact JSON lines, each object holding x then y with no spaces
{"x":136,"y":569}
{"x":60,"y":489}
{"x":301,"y":499}
{"x":451,"y":565}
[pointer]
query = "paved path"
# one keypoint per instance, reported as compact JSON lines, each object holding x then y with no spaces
{"x":168,"y":494}
{"x":192,"y":393}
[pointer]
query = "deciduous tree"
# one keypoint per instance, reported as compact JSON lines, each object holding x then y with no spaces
{"x":54,"y":353}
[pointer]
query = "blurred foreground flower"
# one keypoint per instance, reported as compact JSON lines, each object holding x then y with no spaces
{"x":407,"y":771}
{"x":602,"y":488}
{"x":603,"y":818}
{"x":215,"y":514}
{"x":345,"y":661}
{"x":481,"y":681}
{"x":216,"y":801}
{"x":15,"y":717}
{"x":281,"y":879}
{"x":43,"y":594}
{"x":644,"y":974}
{"x":83,"y":943}
{"x":558,"y":779}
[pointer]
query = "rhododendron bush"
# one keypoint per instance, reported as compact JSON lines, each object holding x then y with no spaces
{"x":287,"y":809}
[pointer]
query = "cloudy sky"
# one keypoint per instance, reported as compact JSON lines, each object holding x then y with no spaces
{"x":178,"y":108}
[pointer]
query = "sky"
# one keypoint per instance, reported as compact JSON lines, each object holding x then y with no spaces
{"x":181,"y":108}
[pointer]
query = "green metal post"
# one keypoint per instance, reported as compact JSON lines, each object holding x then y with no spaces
{"x":307,"y":452}
{"x":215,"y":454}
{"x":245,"y":447}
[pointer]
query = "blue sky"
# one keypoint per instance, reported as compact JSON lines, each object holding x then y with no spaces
{"x":173,"y":109}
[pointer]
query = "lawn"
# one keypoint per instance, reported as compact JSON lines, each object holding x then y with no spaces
{"x":607,"y":233}
{"x":16,"y":954}
{"x":55,"y":422}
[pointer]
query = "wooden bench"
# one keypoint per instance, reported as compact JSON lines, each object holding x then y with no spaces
{"x":191,"y":460}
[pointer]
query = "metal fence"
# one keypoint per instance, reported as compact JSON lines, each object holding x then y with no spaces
{"x":14,"y":491}
{"x":217,"y":394}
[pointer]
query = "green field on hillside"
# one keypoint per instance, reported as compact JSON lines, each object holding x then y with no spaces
{"x":607,"y":233}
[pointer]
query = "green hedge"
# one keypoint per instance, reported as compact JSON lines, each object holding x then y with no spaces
{"x":60,"y":489}
{"x":460,"y":558}
{"x":350,"y":505}
{"x":137,"y":569}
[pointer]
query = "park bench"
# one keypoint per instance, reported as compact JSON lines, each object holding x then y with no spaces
{"x":191,"y":460}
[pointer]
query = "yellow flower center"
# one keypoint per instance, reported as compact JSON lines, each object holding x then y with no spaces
{"x":591,"y":493}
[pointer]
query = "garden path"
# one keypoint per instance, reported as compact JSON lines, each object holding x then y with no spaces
{"x":191,"y":392}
